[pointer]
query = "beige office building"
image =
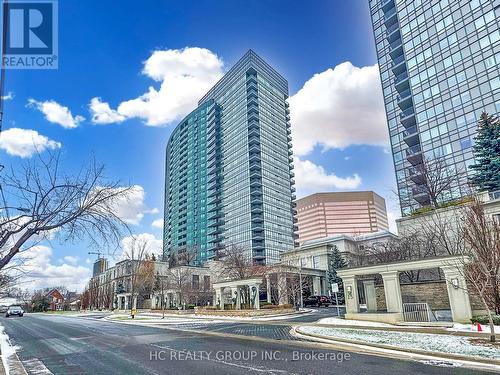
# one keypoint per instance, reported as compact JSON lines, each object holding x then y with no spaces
{"x":350,"y":213}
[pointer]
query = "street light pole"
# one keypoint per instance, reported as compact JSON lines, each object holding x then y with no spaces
{"x":300,"y":282}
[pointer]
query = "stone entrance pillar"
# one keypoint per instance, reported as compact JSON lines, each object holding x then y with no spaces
{"x":458,"y":294}
{"x":237,"y":294}
{"x":282,"y":291}
{"x":351,"y":294}
{"x":370,"y":295}
{"x":392,"y":291}
{"x":256,"y":303}
{"x":220,"y":298}
{"x":268,"y":289}
{"x":316,"y":285}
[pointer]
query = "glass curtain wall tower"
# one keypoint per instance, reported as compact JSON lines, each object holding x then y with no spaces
{"x":229,"y":172}
{"x":440,"y":67}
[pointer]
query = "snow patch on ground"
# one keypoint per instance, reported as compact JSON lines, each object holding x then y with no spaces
{"x":410,"y":340}
{"x":458,"y":327}
{"x":235,"y":318}
{"x":6,"y":348}
{"x":347,"y":322}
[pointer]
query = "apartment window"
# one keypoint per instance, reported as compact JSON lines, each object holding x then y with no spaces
{"x":315,"y":261}
{"x":196,"y":282}
{"x":206,"y":282}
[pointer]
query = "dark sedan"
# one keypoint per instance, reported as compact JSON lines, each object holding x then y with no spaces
{"x":317,"y":301}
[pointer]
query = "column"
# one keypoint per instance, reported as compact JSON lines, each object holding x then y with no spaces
{"x":457,"y":293}
{"x":370,"y":295}
{"x":351,"y":294}
{"x":268,"y":289}
{"x":256,"y":303}
{"x":392,"y":290}
{"x":282,"y":290}
{"x":324,"y":290}
{"x":221,"y":298}
{"x":237,"y":295}
{"x":316,"y":285}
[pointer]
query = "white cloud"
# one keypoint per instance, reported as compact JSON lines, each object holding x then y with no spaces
{"x":185,"y":75}
{"x":338,"y":108}
{"x":102,"y":112}
{"x":25,"y":142}
{"x":311,"y":178}
{"x":56,"y":113}
{"x":153,"y":245}
{"x":158,"y":223}
{"x":40,"y":272}
{"x":132,"y":208}
{"x":9,"y":96}
{"x":73,"y":260}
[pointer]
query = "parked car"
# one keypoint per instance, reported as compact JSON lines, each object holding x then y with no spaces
{"x":14,"y":310}
{"x":3,"y":308}
{"x":317,"y":301}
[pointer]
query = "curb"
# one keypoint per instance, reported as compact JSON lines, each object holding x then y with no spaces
{"x":450,"y":356}
{"x":16,"y":365}
{"x":429,"y":330}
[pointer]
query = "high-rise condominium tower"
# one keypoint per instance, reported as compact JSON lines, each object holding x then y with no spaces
{"x":440,"y":69}
{"x":229,"y":178}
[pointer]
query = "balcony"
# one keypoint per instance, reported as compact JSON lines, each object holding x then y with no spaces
{"x":386,"y":4}
{"x":404,"y":100}
{"x":390,"y":17}
{"x":414,"y":155}
{"x":416,"y":175}
{"x":396,"y":48}
{"x":401,"y":82}
{"x":392,"y":31}
{"x":407,"y":117}
{"x":420,"y":196}
{"x":410,"y":136}
{"x":398,"y":65}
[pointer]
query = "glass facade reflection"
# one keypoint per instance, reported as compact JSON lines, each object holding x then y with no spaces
{"x":440,"y":69}
{"x":229,"y":177}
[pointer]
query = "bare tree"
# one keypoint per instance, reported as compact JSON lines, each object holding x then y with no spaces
{"x":437,"y":178}
{"x":93,"y":293}
{"x":482,"y":235}
{"x":183,"y":257}
{"x":40,"y":200}
{"x":179,"y":279}
{"x":140,"y":269}
{"x":237,"y":264}
{"x":160,"y":286}
{"x":407,"y":247}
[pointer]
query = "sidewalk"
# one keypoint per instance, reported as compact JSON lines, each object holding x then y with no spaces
{"x":437,"y":342}
{"x":9,"y":361}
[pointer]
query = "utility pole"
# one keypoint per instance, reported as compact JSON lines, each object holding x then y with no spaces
{"x":300,"y":282}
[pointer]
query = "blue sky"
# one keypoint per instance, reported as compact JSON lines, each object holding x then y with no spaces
{"x":102,"y":50}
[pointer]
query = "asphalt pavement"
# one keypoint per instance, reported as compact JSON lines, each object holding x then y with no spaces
{"x":61,"y":344}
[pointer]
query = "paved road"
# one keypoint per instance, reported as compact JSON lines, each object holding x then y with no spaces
{"x":71,"y":345}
